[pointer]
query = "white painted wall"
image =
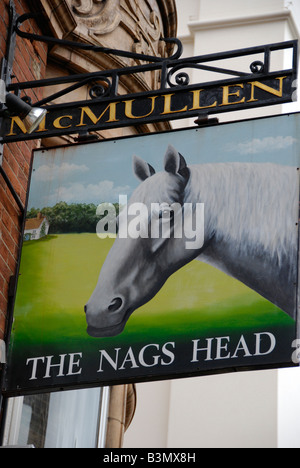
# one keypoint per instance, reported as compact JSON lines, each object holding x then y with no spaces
{"x":242,"y":410}
{"x":229,"y":411}
{"x":288,"y":427}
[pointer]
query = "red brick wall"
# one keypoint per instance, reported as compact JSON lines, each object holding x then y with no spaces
{"x":29,"y":64}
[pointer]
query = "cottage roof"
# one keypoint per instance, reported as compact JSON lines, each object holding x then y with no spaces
{"x":34,"y":223}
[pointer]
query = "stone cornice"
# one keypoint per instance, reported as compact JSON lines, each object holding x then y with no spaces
{"x":62,"y":22}
{"x":219,"y":23}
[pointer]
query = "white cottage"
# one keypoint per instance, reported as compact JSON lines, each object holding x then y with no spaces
{"x":36,"y":228}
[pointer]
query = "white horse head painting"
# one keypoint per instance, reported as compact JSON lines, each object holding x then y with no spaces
{"x":250,"y":232}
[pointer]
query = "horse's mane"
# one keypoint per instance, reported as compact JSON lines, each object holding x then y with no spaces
{"x":254,"y":206}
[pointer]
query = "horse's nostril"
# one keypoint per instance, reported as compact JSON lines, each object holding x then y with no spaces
{"x":115,"y":305}
{"x":85,"y":309}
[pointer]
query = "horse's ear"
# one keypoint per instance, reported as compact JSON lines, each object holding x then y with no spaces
{"x":142,"y":169}
{"x":175,"y":162}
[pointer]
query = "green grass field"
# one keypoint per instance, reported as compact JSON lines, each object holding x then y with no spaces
{"x":59,"y":273}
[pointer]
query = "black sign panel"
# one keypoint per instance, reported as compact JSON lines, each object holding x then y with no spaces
{"x":164,"y":105}
{"x":160,"y":256}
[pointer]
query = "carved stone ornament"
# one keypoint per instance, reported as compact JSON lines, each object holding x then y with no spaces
{"x":143,"y":21}
{"x":99,"y":16}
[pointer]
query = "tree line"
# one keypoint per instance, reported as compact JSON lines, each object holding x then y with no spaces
{"x":67,"y":218}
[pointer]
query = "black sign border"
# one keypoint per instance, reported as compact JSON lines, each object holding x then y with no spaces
{"x":13,"y":392}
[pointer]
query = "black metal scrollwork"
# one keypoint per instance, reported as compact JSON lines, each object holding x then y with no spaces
{"x":100,"y":90}
{"x":181,"y":79}
{"x":104,"y":50}
{"x":174,"y":70}
{"x":257,"y":67}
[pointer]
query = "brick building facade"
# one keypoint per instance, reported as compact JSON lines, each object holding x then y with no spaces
{"x":29,"y":64}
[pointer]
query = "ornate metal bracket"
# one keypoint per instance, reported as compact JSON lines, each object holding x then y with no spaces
{"x":104,"y":85}
{"x":175,"y":97}
{"x":90,"y":47}
{"x":5,"y":77}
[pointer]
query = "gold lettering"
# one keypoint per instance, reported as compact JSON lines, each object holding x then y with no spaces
{"x":227,"y":94}
{"x":112,"y":107}
{"x":42,"y":126}
{"x":128,"y":109}
{"x":57,"y":122}
{"x":196,"y":100}
{"x":168,"y":105}
{"x":266,"y":88}
{"x":19,"y":123}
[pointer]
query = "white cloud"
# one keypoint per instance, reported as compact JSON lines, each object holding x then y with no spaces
{"x":77,"y":192}
{"x":47,"y":173}
{"x":267,"y":144}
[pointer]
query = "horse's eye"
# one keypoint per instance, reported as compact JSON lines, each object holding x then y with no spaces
{"x":163,"y":213}
{"x":166,"y":213}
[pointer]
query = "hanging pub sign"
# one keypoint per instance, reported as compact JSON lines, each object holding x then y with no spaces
{"x":159,"y":256}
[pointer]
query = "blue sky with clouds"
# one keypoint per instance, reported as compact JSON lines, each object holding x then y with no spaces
{"x":100,"y":172}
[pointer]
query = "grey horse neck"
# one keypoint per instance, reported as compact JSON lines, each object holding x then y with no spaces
{"x":251,"y":215}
